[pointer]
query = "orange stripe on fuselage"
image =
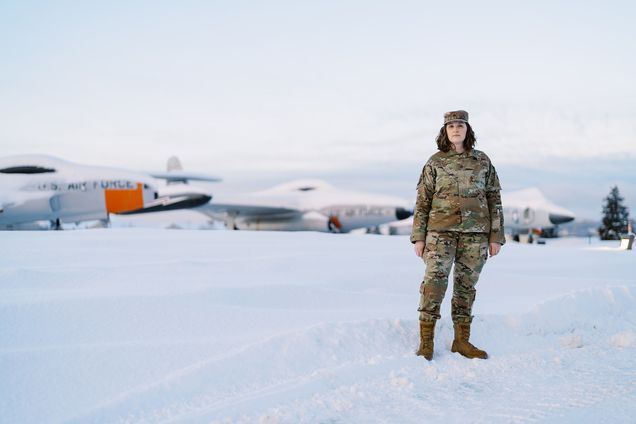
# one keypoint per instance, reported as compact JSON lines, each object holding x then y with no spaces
{"x":122,"y":200}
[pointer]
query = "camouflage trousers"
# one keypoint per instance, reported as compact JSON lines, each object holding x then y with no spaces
{"x":468,"y":251}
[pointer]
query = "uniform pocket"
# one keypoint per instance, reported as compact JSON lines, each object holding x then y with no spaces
{"x":430,"y":243}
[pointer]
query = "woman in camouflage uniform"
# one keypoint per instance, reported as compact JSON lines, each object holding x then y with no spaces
{"x":458,"y":219}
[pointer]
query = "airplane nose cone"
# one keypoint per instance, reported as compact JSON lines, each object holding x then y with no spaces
{"x":557,"y":219}
{"x":401,"y":213}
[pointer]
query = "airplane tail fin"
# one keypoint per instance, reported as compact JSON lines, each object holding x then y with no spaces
{"x":173,"y":164}
{"x":174,"y":173}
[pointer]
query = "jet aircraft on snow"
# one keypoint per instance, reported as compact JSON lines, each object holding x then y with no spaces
{"x":306,"y":205}
{"x":528,"y":209}
{"x":36,"y":188}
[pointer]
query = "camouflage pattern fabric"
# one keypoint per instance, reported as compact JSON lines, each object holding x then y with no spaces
{"x":456,"y":115}
{"x":468,"y":251}
{"x":459,"y":192}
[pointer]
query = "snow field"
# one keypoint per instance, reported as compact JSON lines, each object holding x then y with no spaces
{"x":161,"y":326}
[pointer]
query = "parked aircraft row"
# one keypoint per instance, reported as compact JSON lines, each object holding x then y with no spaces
{"x":35,"y":188}
{"x":39,"y":188}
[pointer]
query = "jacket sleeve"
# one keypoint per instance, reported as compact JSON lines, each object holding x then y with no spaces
{"x":493,"y":197}
{"x":425,"y":191}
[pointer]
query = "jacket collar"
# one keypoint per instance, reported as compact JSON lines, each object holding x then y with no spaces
{"x":466,"y":153}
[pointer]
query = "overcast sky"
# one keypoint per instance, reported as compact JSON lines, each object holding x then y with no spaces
{"x":354,"y":90}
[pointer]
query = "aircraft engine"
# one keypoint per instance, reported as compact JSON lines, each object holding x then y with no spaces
{"x":401,"y":213}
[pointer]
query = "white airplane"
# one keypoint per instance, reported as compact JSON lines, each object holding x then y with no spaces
{"x":306,"y":205}
{"x":36,"y":188}
{"x":528,"y":209}
{"x":524,"y":210}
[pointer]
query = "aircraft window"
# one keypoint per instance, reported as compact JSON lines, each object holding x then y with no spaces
{"x":26,"y":170}
{"x":528,"y":215}
{"x":306,"y":188}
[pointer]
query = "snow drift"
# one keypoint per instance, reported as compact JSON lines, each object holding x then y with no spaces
{"x":211,"y":326}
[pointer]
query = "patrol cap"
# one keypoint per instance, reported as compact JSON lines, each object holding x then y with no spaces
{"x":456,"y":115}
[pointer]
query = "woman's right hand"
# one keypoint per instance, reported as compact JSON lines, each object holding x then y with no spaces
{"x":419,"y":248}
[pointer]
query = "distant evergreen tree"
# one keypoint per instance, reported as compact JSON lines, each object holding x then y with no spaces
{"x":615,"y":217}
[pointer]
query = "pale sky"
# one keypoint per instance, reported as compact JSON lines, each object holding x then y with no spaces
{"x":342,"y":88}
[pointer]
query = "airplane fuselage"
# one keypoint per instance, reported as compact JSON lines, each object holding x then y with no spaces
{"x":37,"y":188}
{"x":59,"y":200}
{"x":307,"y":205}
{"x":528,"y":209}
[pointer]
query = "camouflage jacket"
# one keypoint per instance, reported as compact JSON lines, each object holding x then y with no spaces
{"x":459,"y":192}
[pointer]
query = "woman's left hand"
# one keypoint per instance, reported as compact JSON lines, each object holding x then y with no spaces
{"x":494,"y":248}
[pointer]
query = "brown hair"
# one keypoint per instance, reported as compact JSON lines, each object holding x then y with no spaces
{"x":444,"y":144}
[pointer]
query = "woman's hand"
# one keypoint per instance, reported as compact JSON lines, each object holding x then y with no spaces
{"x":419,"y":248}
{"x":494,"y":248}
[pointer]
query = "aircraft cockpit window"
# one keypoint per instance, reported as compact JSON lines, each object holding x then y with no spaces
{"x":26,"y":170}
{"x":306,"y":188}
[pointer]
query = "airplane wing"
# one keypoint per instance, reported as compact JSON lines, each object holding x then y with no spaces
{"x":183,"y":177}
{"x":246,"y":210}
{"x":169,"y":203}
{"x":272,"y":218}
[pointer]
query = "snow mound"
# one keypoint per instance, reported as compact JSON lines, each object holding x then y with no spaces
{"x":333,"y":369}
{"x":277,"y":368}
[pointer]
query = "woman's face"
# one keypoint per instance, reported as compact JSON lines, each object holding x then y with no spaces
{"x":456,"y":132}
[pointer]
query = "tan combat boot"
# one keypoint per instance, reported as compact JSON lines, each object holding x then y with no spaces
{"x":461,"y":344}
{"x":427,"y":332}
